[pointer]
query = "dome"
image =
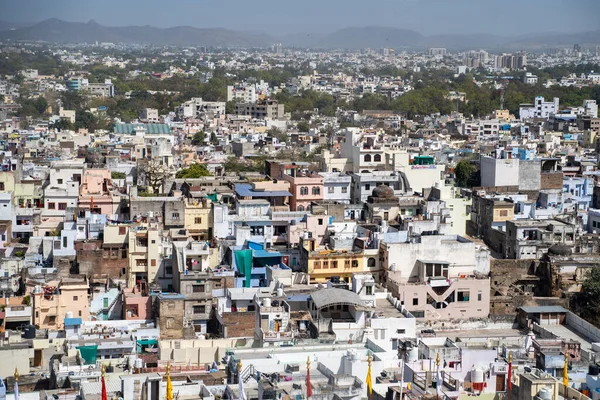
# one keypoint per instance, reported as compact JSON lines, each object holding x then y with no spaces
{"x":560,"y":250}
{"x":383,"y":192}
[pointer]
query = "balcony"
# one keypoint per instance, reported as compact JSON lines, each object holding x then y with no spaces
{"x":277,"y":336}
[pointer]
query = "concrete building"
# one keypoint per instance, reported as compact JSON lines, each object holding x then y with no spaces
{"x":336,"y":187}
{"x":60,"y":300}
{"x":261,"y":109}
{"x":539,"y":109}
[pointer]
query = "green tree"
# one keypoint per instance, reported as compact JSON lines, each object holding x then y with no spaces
{"x":193,"y":171}
{"x":303,"y":126}
{"x":588,"y":299}
{"x":117,"y":175}
{"x":277,"y":133}
{"x":466,"y":174}
{"x":198,"y":138}
{"x":213,"y":138}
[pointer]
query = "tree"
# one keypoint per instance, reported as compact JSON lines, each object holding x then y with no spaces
{"x":117,"y":175}
{"x":198,"y":138}
{"x":153,"y":174}
{"x":588,"y":299}
{"x":213,"y":138}
{"x":303,"y":126}
{"x":277,"y":133}
{"x":466,"y":174}
{"x":192,"y":172}
{"x":62,"y":124}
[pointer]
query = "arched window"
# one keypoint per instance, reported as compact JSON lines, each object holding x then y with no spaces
{"x":316,"y":190}
{"x":367,"y":158}
{"x":377,"y":158}
{"x":371,"y":262}
{"x":300,"y":208}
{"x":303,"y":190}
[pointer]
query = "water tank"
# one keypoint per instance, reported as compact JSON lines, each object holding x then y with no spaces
{"x":306,"y":235}
{"x":29,"y":332}
{"x":412,"y":355}
{"x":69,"y":314}
{"x":302,"y":326}
{"x":477,"y":376}
{"x":545,"y":393}
{"x":150,"y":214}
{"x":279,"y":292}
{"x":593,"y":370}
{"x":37,"y":289}
{"x":267,"y":302}
{"x":139,"y":363}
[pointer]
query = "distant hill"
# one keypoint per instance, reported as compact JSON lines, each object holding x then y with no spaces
{"x":8,"y":25}
{"x":57,"y":31}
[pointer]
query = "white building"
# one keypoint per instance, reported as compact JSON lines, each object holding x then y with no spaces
{"x":337,"y":187}
{"x":539,"y":109}
{"x":530,"y":79}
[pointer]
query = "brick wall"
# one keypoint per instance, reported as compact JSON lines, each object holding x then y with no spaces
{"x":238,"y":324}
{"x":91,"y":261}
{"x":551,"y":180}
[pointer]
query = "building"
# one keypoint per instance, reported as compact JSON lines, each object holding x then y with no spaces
{"x":539,"y":109}
{"x":261,"y":109}
{"x":60,"y":300}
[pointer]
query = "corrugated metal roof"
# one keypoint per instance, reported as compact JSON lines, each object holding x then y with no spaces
{"x":326,"y":297}
{"x":544,"y":309}
{"x":245,"y":190}
{"x":129,"y":129}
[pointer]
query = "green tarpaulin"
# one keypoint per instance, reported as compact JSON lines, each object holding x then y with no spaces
{"x":89,"y":354}
{"x":243,"y":258}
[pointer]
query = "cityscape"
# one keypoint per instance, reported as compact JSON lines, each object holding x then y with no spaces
{"x":367,"y":212}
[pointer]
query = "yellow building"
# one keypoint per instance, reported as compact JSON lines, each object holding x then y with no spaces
{"x":144,"y":257}
{"x":321,"y":264}
{"x":198,"y":219}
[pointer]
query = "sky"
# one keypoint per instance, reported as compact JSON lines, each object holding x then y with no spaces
{"x":428,"y":17}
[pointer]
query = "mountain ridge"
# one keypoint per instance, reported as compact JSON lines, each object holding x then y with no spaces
{"x":59,"y":31}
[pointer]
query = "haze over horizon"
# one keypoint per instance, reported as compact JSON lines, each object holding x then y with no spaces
{"x":428,"y":17}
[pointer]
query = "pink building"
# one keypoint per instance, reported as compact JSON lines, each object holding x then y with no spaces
{"x":137,"y":304}
{"x":305,"y":188}
{"x":58,"y":300}
{"x":95,"y":193}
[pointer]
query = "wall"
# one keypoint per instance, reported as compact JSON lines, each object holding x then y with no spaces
{"x":583,"y":327}
{"x":529,"y":175}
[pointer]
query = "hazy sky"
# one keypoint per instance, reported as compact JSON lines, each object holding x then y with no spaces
{"x":505,"y":17}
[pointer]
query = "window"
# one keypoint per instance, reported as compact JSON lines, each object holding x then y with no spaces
{"x":325,"y":264}
{"x":75,"y":298}
{"x":80,"y":313}
{"x":503,"y":213}
{"x":371,"y":262}
{"x":462,"y":295}
{"x":122,"y":230}
{"x":416,"y":301}
{"x":330,"y":189}
{"x":317,"y":264}
{"x":51,"y":206}
{"x":175,"y":215}
{"x":346,"y":263}
{"x":59,"y":181}
{"x":334,"y":264}
{"x":377,"y":158}
{"x":316,"y":190}
{"x":198,"y":288}
{"x":153,"y":263}
{"x":1,"y":185}
{"x":367,"y":187}
{"x":65,"y":242}
{"x":62,"y":206}
{"x":354,"y":263}
{"x":367,"y":158}
{"x":199,"y":309}
{"x":169,"y":270}
{"x":198,"y":220}
{"x":478,"y":296}
{"x":320,"y":221}
{"x":401,"y":331}
{"x":345,"y":189}
{"x":303,"y":190}
{"x":300,"y":208}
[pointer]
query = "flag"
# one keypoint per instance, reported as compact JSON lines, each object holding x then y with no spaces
{"x":308,"y":384}
{"x":510,"y":373}
{"x":104,"y":395}
{"x":439,"y":382}
{"x":369,"y":380}
{"x":242,"y":396}
{"x":566,"y":370}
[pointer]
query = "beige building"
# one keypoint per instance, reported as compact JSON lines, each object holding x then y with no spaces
{"x":144,"y":255}
{"x":198,"y":218}
{"x":58,"y":300}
